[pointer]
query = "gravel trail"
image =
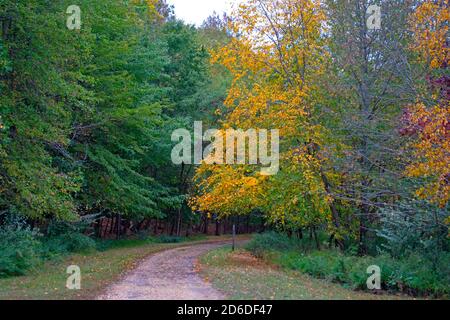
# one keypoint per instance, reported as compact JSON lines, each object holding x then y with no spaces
{"x":168,"y":275}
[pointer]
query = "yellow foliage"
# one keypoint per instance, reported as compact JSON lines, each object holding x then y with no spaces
{"x":274,"y":56}
{"x":430,"y":26}
{"x":432,"y":152}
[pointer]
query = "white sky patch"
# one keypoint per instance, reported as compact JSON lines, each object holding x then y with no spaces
{"x":196,"y":11}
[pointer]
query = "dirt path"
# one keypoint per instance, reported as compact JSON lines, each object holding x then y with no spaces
{"x":168,"y":275}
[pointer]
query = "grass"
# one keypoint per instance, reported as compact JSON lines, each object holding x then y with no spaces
{"x":98,"y":270}
{"x":242,"y":276}
{"x":412,"y":274}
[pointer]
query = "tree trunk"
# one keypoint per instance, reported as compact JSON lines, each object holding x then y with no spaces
{"x":188,"y":228}
{"x":217,"y":227}
{"x":113,"y":226}
{"x":334,"y":211}
{"x":205,"y":231}
{"x":179,"y":219}
{"x":316,"y":238}
{"x":362,"y":248}
{"x":98,"y":228}
{"x":225,"y":225}
{"x":118,"y":226}
{"x":105,"y":231}
{"x":234,"y":237}
{"x":172,"y":229}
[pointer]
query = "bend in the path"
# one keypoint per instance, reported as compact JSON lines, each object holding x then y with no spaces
{"x":168,"y":275}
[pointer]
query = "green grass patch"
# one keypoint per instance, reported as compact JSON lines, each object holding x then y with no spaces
{"x":413,"y":275}
{"x":240,"y":275}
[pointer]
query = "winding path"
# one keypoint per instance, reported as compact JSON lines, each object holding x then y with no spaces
{"x":168,"y":275}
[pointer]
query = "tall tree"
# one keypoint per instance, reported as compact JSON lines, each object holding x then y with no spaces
{"x":274,"y":56}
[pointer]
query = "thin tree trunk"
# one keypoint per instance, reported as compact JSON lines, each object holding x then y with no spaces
{"x":217,"y":227}
{"x":155,"y":228}
{"x":105,"y":232}
{"x":172,"y":229}
{"x":206,"y":225}
{"x":234,"y":237}
{"x":316,"y":238}
{"x":98,"y":227}
{"x":179,"y":220}
{"x":225,"y":225}
{"x":113,"y":221}
{"x":118,"y":226}
{"x":188,"y":228}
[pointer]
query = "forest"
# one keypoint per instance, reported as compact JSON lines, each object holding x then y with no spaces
{"x":363,"y":112}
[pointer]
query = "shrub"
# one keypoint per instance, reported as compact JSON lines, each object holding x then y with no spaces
{"x":68,"y":243}
{"x":170,"y":239}
{"x":63,"y":238}
{"x":413,"y":274}
{"x":103,"y":245}
{"x":409,"y":228}
{"x":18,"y":250}
{"x":269,"y":241}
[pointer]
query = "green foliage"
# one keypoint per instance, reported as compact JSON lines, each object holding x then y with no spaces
{"x":411,"y":274}
{"x":104,"y":245}
{"x":18,"y":250}
{"x":22,"y":248}
{"x":38,"y":88}
{"x":68,"y":243}
{"x":63,"y":238}
{"x":86,"y":116}
{"x":279,"y":241}
{"x":170,"y":239}
{"x":415,"y":227}
{"x":142,"y":239}
{"x":261,"y":243}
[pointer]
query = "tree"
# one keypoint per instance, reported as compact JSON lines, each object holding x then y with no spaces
{"x":274,"y":56}
{"x":367,"y":87}
{"x":429,"y":118}
{"x":82,"y":110}
{"x":40,"y":86}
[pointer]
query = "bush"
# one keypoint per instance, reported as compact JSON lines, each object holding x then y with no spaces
{"x":68,"y":243}
{"x":18,"y":250}
{"x":269,"y":241}
{"x":414,"y":274}
{"x":103,"y":245}
{"x":170,"y":239}
{"x":409,"y":228}
{"x":63,"y":238}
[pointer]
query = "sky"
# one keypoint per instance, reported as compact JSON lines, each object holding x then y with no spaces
{"x":196,"y":11}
